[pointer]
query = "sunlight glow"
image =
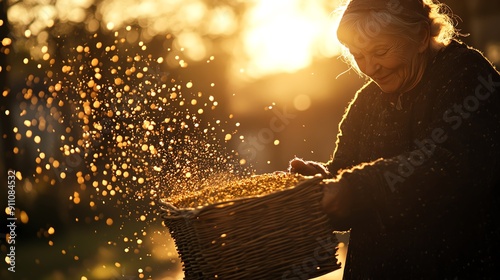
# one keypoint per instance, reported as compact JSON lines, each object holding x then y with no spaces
{"x":286,"y":35}
{"x":261,"y":37}
{"x":274,"y":36}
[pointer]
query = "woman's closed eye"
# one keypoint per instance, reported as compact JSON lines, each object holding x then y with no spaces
{"x":381,"y":52}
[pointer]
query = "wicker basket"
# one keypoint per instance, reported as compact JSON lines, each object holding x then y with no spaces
{"x":282,"y":235}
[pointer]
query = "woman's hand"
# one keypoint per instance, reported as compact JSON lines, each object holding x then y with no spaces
{"x":307,"y":168}
{"x":336,"y":200}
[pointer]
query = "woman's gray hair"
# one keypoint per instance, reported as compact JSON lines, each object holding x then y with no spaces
{"x":363,"y":20}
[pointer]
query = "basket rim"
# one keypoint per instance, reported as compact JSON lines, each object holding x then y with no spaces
{"x":168,"y":207}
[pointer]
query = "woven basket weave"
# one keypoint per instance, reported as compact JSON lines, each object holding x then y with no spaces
{"x":282,"y":235}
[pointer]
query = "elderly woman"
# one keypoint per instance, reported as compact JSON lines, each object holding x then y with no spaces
{"x":416,"y":168}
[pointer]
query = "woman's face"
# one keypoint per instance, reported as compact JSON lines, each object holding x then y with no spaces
{"x":393,"y":63}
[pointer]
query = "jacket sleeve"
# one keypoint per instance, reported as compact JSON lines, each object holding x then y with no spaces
{"x":458,"y":150}
{"x":349,"y":135}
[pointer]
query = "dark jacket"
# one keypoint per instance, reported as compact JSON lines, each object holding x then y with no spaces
{"x":424,"y":172}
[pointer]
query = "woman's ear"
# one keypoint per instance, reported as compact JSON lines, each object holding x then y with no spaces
{"x":425,"y":37}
